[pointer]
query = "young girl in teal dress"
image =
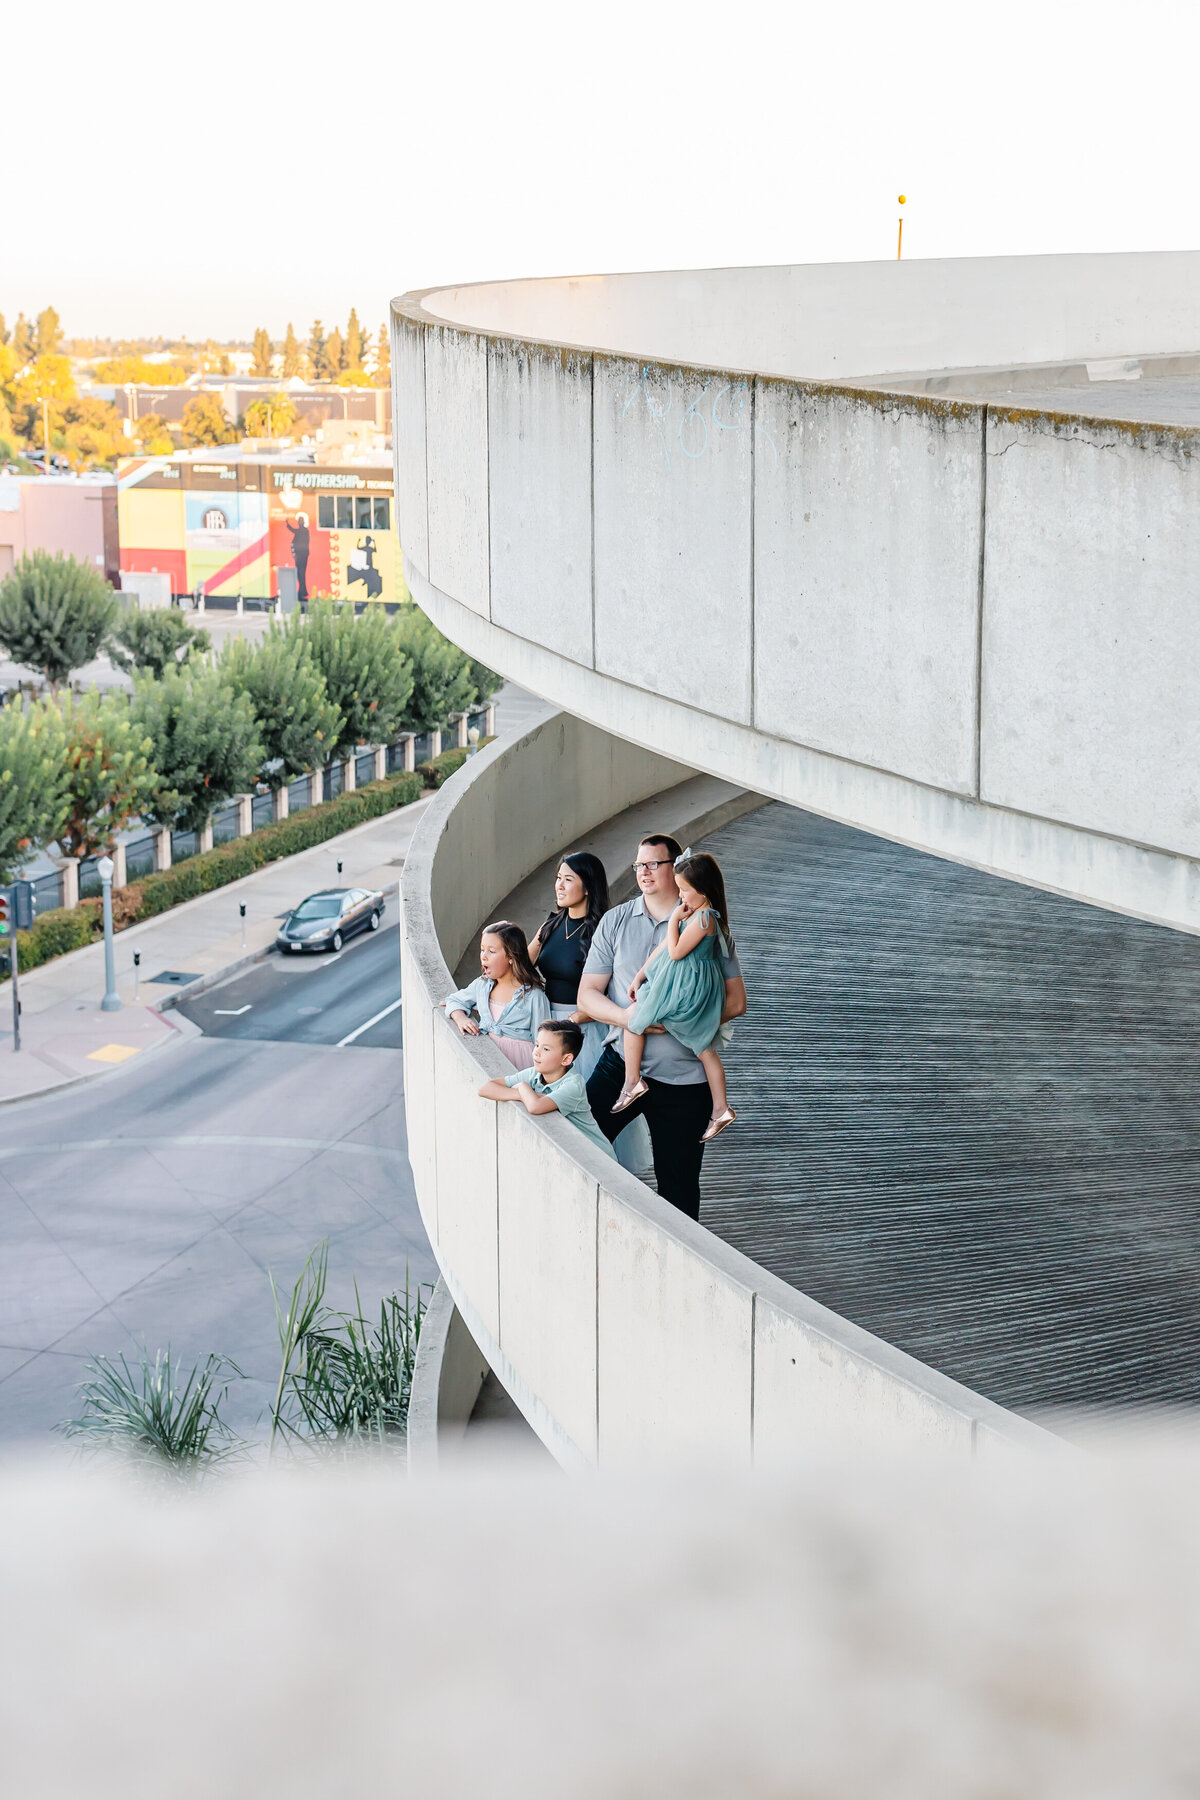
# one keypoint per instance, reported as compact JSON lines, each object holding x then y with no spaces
{"x":681,"y":986}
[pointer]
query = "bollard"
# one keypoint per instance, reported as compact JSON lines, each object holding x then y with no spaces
{"x":242,"y":910}
{"x":137,"y":973}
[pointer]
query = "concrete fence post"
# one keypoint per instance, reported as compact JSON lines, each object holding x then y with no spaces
{"x":204,"y":837}
{"x":316,"y":787}
{"x":380,"y":754}
{"x":462,"y":725}
{"x":410,"y":752}
{"x":120,"y":873}
{"x":435,"y":744}
{"x":245,"y":813}
{"x":349,"y":775}
{"x":162,"y":848}
{"x":489,"y":719}
{"x":68,"y":869}
{"x":281,"y":801}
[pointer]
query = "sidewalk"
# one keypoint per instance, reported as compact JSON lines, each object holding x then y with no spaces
{"x":65,"y":1036}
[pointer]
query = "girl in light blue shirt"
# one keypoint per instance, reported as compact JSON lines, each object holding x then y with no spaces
{"x":508,"y":1000}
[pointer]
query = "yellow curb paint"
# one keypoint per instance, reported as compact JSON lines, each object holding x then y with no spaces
{"x":113,"y":1053}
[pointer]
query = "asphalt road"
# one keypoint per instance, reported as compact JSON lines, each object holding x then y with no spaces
{"x":150,"y":1206}
{"x":313,"y":998}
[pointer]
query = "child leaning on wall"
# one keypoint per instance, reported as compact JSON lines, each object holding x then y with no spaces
{"x":552,"y":1084}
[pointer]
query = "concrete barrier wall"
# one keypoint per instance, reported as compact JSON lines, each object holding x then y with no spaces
{"x":830,"y":321}
{"x":623,"y":1331}
{"x":958,"y":625}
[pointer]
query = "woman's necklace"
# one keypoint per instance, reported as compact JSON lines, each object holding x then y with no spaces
{"x":568,"y":933}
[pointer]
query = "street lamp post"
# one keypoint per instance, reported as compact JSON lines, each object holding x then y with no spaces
{"x":112,"y":1000}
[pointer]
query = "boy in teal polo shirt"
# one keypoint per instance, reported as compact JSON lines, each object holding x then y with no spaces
{"x":552,"y":1084}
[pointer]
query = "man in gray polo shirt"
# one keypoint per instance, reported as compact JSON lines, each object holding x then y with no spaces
{"x":678,"y":1104}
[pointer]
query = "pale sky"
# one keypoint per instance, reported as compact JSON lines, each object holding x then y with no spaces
{"x":204,"y":169}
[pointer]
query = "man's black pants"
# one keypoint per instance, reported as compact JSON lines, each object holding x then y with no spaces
{"x":676,"y":1114}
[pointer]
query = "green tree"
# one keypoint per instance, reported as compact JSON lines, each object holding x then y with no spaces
{"x":442,"y":681}
{"x":263,"y":351}
{"x":121,"y":370}
{"x":150,"y":642}
{"x":55,"y":614}
{"x":204,"y":422}
{"x":93,"y":433}
{"x":204,"y":741}
{"x":334,"y":358}
{"x":367,"y":675}
{"x":383,"y":358}
{"x":33,"y":782}
{"x":23,"y":343}
{"x":109,"y":777}
{"x":272,"y":416}
{"x":49,"y":332}
{"x":154,"y":435}
{"x":355,"y":344}
{"x":293,"y":355}
{"x":297,"y":721}
{"x":315,"y":350}
{"x":49,"y":379}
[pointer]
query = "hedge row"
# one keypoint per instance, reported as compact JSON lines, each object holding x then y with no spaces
{"x":72,"y":928}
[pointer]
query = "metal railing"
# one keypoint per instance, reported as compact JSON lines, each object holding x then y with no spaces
{"x":142,"y":852}
{"x":299,"y":794}
{"x":224,"y":827}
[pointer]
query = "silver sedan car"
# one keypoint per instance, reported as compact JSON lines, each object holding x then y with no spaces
{"x":324,"y":921}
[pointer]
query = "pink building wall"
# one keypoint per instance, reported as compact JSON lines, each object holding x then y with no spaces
{"x":57,"y":513}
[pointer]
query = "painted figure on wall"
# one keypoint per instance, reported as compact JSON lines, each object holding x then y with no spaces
{"x":361,"y":567}
{"x":299,"y":530}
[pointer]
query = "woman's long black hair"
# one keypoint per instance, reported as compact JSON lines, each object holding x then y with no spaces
{"x":591,"y":872}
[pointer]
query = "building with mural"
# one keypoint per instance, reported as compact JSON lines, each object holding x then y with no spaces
{"x":261,"y":526}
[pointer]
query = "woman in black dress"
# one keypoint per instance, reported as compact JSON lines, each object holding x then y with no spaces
{"x":562,"y":942}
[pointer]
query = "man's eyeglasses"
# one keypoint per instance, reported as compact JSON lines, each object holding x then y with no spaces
{"x":662,"y":863}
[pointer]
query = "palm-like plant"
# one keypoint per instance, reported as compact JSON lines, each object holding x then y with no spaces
{"x":157,"y":1413}
{"x":344,"y":1380}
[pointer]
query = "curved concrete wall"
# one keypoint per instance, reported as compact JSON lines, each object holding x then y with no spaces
{"x":966,"y":627}
{"x":829,"y":321}
{"x":622,"y":1330}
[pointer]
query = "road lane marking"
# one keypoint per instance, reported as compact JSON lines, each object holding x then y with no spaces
{"x":69,"y":1146}
{"x":231,"y":1012}
{"x":350,"y":1036}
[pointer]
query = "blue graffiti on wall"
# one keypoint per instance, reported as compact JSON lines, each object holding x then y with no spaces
{"x":707,"y":413}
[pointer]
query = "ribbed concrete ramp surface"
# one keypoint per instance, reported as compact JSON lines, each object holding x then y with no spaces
{"x":969,"y":1115}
